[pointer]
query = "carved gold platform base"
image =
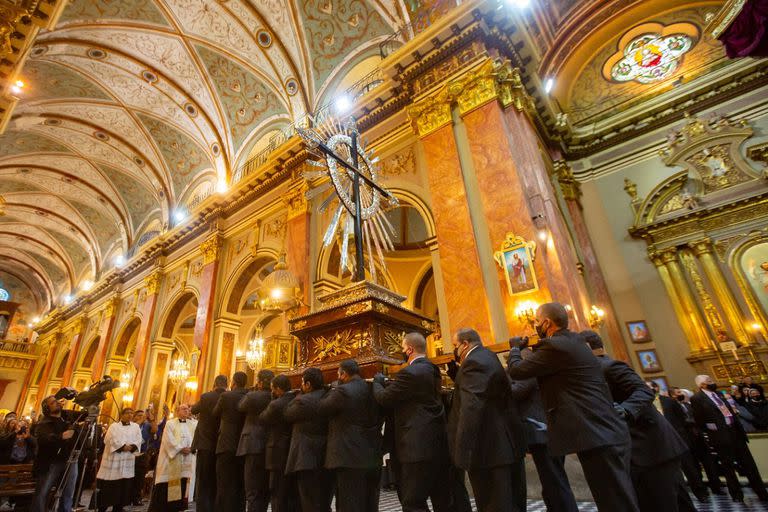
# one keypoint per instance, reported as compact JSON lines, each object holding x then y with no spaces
{"x":362,"y":321}
{"x":729,"y":368}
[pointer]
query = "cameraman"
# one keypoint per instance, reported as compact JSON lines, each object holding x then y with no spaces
{"x":55,"y":440}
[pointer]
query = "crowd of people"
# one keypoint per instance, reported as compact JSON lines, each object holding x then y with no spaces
{"x":243,"y":449}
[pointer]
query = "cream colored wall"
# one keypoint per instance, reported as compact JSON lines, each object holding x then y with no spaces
{"x":634,"y":284}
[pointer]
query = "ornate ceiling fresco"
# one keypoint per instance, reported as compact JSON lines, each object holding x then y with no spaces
{"x":132,"y":107}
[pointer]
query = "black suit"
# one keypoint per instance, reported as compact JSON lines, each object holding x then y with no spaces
{"x":306,"y":456}
{"x":656,"y":447}
{"x":730,"y":442}
{"x":204,"y":444}
{"x":252,"y":446}
{"x":354,"y":444}
{"x":281,"y":487}
{"x":230,"y":491}
{"x":580,"y":415}
{"x":555,"y":487}
{"x":420,"y":444}
{"x":485,"y":433}
{"x":679,"y":415}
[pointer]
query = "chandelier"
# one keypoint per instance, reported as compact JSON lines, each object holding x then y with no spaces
{"x":279,"y":289}
{"x":179,"y":373}
{"x":254,"y":357}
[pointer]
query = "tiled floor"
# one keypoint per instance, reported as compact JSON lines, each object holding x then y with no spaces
{"x":389,"y":503}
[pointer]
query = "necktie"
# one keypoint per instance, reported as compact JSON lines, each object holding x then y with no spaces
{"x":723,"y":409}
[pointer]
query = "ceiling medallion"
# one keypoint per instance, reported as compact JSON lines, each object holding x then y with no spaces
{"x":264,"y":38}
{"x":149,"y":76}
{"x":650,"y":53}
{"x":291,"y":86}
{"x":96,"y":53}
{"x":138,"y":161}
{"x":38,"y":51}
{"x":215,"y":148}
{"x":190,"y":109}
{"x":101,"y":136}
{"x":24,"y":171}
{"x":52,"y":122}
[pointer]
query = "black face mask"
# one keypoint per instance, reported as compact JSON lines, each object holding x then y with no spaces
{"x":404,"y":354}
{"x":712,"y":387}
{"x":456,"y":353}
{"x":540,"y":332}
{"x":680,"y":398}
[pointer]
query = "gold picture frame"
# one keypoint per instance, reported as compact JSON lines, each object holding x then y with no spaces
{"x":516,"y":258}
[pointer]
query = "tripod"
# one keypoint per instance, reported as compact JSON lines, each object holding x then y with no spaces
{"x":85,"y":438}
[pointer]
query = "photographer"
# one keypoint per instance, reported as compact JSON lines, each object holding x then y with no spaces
{"x":55,"y":440}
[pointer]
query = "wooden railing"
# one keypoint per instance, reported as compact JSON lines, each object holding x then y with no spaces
{"x":18,"y":347}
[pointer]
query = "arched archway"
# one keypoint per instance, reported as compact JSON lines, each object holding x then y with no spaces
{"x":89,"y":354}
{"x":62,"y":366}
{"x":126,"y":341}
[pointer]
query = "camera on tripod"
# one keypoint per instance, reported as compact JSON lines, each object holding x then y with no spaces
{"x":91,"y":397}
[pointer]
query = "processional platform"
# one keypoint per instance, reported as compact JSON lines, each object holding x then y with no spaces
{"x":362,"y":321}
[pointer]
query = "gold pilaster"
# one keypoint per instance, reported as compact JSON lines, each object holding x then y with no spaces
{"x":152,"y":283}
{"x":696,"y":332}
{"x":568,"y":185}
{"x":704,"y":252}
{"x":210,"y":249}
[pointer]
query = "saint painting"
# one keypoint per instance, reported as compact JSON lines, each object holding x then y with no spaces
{"x":516,"y":257}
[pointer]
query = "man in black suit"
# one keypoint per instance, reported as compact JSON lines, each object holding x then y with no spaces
{"x":580,"y":414}
{"x":282,"y":488}
{"x":420,"y":451}
{"x":555,"y":487}
{"x":306,"y":456}
{"x":230,"y":493}
{"x":715,"y":417}
{"x":485,"y":432}
{"x":354,"y":440}
{"x":204,"y":444}
{"x":678,"y":413}
{"x":253,"y":443}
{"x":656,"y":447}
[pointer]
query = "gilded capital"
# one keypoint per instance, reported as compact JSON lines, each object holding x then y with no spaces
{"x":430,"y":114}
{"x":110,"y":307}
{"x":568,"y":184}
{"x":210,"y":249}
{"x":511,"y":89}
{"x":151,"y":283}
{"x":80,"y":324}
{"x":296,"y":200}
{"x":662,"y":256}
{"x":703,"y":246}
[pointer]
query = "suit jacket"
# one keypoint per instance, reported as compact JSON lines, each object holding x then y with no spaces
{"x":654,"y":441}
{"x":309,"y":433}
{"x":354,"y":426}
{"x":676,"y":415}
{"x":207,"y":430}
{"x":419,"y":418}
{"x":484,"y":426}
{"x":230,"y":420}
{"x":279,"y":437}
{"x":253,"y":438}
{"x":576,"y":398}
{"x":707,"y":415}
{"x":528,"y":398}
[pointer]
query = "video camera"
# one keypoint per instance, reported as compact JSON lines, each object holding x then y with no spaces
{"x":94,"y":395}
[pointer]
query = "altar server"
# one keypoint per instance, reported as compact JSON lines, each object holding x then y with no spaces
{"x":116,"y":472}
{"x":175,"y":473}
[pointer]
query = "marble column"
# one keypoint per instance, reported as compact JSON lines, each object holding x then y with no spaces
{"x":297,"y":240}
{"x":152,"y":288}
{"x":43,"y":384}
{"x":74,"y":348}
{"x":693,"y":323}
{"x":107,"y":331}
{"x":159,"y":365}
{"x":204,"y":321}
{"x":23,"y":394}
{"x":704,"y":252}
{"x":442,"y":305}
{"x":595,"y":280}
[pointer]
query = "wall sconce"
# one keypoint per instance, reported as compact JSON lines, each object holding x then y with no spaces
{"x":596,"y":317}
{"x":526,"y":312}
{"x":128,"y":397}
{"x":191,"y":384}
{"x":540,"y":223}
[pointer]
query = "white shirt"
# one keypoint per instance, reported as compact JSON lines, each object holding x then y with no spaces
{"x":115,"y":464}
{"x":422,"y":356}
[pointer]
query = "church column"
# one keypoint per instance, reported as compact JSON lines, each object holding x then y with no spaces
{"x":297,"y":240}
{"x":571,"y":190}
{"x":23,"y":394}
{"x":204,"y":321}
{"x":107,"y":330}
{"x":74,"y":347}
{"x":704,"y":252}
{"x":442,"y":306}
{"x":43,"y":384}
{"x":225,"y":334}
{"x":159,"y":365}
{"x":459,"y":259}
{"x":682,"y":299}
{"x":152,"y":286}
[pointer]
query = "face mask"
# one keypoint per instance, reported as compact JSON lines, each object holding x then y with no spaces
{"x":405,"y":355}
{"x":456,"y":353}
{"x":680,"y":398}
{"x":540,"y":332}
{"x":712,"y":387}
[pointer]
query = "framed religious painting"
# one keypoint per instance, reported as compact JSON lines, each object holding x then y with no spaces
{"x":516,"y":259}
{"x":638,"y":331}
{"x":649,"y":361}
{"x":663,"y":385}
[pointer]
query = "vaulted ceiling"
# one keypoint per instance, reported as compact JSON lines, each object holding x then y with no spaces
{"x":132,"y":108}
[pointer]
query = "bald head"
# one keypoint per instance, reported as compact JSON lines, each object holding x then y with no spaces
{"x":416,"y":341}
{"x":704,"y":381}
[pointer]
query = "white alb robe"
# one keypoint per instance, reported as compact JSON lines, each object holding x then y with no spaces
{"x":172,"y":465}
{"x":117,"y":465}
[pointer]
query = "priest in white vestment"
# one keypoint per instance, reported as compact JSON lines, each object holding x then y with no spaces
{"x":115,"y":476}
{"x":175,"y":472}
